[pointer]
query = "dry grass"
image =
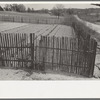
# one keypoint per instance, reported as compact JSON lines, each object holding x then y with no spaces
{"x":85,"y":28}
{"x":90,"y":18}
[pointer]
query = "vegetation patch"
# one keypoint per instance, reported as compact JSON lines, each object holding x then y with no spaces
{"x":82,"y":30}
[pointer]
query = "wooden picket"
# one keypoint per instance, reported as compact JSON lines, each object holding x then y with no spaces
{"x":68,"y":54}
{"x":33,"y":20}
{"x":54,"y":53}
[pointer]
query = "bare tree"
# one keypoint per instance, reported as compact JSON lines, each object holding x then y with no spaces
{"x":32,"y":10}
{"x":70,"y":11}
{"x":28,"y":9}
{"x":21,"y":8}
{"x":14,"y":7}
{"x":58,"y":10}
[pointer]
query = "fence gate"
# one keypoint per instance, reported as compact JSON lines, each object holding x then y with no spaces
{"x":55,"y":53}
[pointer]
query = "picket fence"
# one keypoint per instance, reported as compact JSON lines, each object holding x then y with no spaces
{"x":33,"y":20}
{"x":43,"y":53}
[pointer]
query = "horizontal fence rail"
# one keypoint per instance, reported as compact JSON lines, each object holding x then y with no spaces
{"x":72,"y":55}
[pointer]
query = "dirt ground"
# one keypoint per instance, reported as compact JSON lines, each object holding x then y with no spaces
{"x":19,"y":74}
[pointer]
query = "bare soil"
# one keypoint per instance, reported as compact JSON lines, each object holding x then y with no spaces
{"x":19,"y":74}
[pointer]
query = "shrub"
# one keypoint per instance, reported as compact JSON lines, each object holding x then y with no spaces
{"x":82,"y":30}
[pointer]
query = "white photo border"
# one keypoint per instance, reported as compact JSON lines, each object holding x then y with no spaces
{"x":50,"y":89}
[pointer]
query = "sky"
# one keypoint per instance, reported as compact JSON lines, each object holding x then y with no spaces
{"x":50,"y":6}
{"x":38,"y":6}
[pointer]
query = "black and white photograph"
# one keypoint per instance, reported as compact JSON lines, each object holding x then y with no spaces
{"x":49,"y":41}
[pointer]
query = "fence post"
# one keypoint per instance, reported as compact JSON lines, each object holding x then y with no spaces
{"x":38,"y":21}
{"x":1,"y":61}
{"x":29,"y":20}
{"x":93,"y":59}
{"x":22,"y":19}
{"x":43,"y":52}
{"x":53,"y":54}
{"x":71,"y":47}
{"x":46,"y":21}
{"x":60,"y":39}
{"x":32,"y":48}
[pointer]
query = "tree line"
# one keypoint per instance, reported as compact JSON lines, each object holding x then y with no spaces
{"x":57,"y":10}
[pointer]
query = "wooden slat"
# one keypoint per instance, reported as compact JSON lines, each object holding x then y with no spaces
{"x":66,"y":47}
{"x":57,"y":52}
{"x":32,"y":49}
{"x":60,"y":54}
{"x":69,"y":54}
{"x":52,"y":51}
{"x":93,"y":55}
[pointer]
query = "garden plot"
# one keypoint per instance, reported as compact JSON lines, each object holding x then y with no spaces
{"x":55,"y":31}
{"x":38,"y":29}
{"x":64,"y":31}
{"x":29,"y":28}
{"x":43,"y":29}
{"x":7,"y":26}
